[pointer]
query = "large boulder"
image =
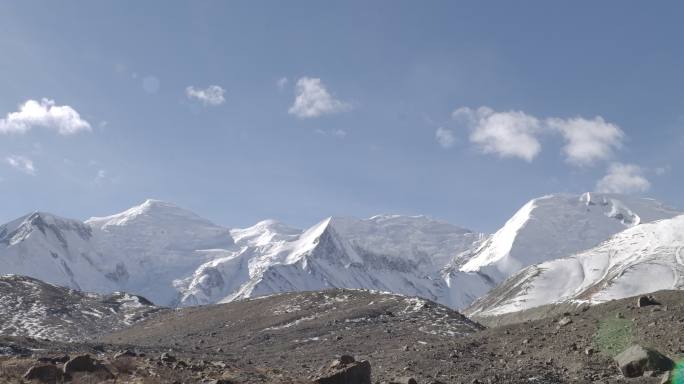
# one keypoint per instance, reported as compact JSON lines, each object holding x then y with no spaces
{"x":645,"y":301}
{"x":44,"y":374}
{"x":81,"y":363}
{"x":345,"y":370}
{"x":85,"y":363}
{"x":635,"y":360}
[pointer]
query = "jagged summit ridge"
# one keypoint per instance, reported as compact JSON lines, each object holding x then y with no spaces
{"x":175,"y":257}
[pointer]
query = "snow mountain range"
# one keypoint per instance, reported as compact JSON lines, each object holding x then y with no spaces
{"x":176,"y":258}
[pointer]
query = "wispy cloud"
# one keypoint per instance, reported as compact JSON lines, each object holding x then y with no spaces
{"x":588,"y":141}
{"x":312,"y":99}
{"x":506,"y":134}
{"x":623,"y":178}
{"x":45,"y":114}
{"x":21,"y":163}
{"x":212,"y":95}
{"x":282,"y":83}
{"x":445,"y":137}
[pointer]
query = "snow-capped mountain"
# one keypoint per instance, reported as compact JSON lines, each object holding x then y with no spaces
{"x":398,"y":254}
{"x":544,"y":229}
{"x":142,"y":250}
{"x":559,"y":225}
{"x":174,"y":257}
{"x":642,"y":259}
{"x":155,"y":244}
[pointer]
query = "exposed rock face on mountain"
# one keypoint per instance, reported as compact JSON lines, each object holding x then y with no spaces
{"x":641,"y":259}
{"x":30,"y":307}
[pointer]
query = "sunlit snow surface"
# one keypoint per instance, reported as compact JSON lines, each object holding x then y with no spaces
{"x":174,"y":257}
{"x":642,"y":259}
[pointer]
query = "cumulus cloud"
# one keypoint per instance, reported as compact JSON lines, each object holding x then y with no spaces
{"x":623,"y":178}
{"x":212,"y":95}
{"x":46,"y":114}
{"x":312,"y":99}
{"x":445,"y":137}
{"x":516,"y":134}
{"x":588,"y":141}
{"x":506,"y":134}
{"x":21,"y":163}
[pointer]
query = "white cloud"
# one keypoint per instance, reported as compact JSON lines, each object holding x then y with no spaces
{"x":212,"y":95}
{"x":46,"y":114}
{"x":313,"y":100}
{"x":623,"y":178}
{"x":341,"y":133}
{"x":101,"y":175}
{"x":662,"y":170}
{"x":21,"y":163}
{"x":506,"y":134}
{"x":588,"y":141}
{"x":516,"y":134}
{"x":282,"y":83}
{"x":445,"y":137}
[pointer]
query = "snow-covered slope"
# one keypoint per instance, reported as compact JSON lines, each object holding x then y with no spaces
{"x":174,"y":257}
{"x":155,"y":244}
{"x":398,"y":254}
{"x":560,"y":225}
{"x":642,"y":259}
{"x":56,"y":250}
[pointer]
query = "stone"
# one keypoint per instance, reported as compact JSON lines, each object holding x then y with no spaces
{"x":167,"y":358}
{"x":644,"y":301}
{"x":81,"y":363}
{"x":404,"y":380}
{"x":347,"y":359}
{"x":354,"y":373}
{"x":564,"y":321}
{"x":85,"y":363}
{"x":44,"y":373}
{"x":666,"y":378}
{"x":636,"y":360}
{"x":125,"y":353}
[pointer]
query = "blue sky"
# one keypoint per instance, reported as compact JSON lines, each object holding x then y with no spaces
{"x":299,"y":110}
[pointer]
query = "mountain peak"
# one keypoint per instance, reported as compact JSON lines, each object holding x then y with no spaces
{"x":149,"y":209}
{"x":558,"y":225}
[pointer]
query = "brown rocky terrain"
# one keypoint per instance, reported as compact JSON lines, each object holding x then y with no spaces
{"x":294,"y":338}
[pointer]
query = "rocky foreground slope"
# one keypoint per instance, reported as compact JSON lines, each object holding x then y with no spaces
{"x":30,"y":307}
{"x":293,"y":338}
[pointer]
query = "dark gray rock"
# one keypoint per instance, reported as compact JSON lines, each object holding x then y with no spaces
{"x":353,"y":373}
{"x":167,"y":358}
{"x":82,"y":363}
{"x":636,"y":360}
{"x":44,"y":374}
{"x":125,"y":353}
{"x":85,"y":363}
{"x":644,"y":301}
